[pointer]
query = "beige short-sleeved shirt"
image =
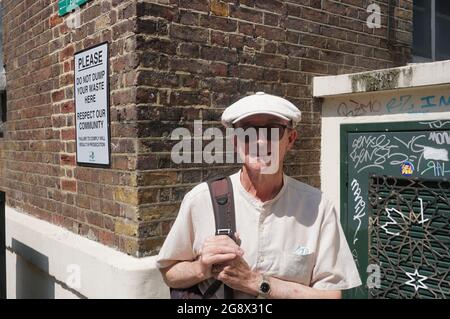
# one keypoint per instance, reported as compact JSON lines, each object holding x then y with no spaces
{"x":296,"y":236}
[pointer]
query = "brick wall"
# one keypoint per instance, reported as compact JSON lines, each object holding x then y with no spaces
{"x":199,"y":56}
{"x":39,"y":173}
{"x":172,"y":62}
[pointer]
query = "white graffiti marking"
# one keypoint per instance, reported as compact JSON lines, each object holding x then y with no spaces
{"x":360,"y":206}
{"x":440,"y":138}
{"x":435,"y":124}
{"x":421,"y":212}
{"x":412,"y":145}
{"x":371,"y":150}
{"x":375,"y":151}
{"x":416,"y":280}
{"x":438,"y":168}
{"x":392,"y":222}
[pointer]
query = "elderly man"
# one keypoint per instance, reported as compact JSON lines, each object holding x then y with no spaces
{"x":290,"y":242}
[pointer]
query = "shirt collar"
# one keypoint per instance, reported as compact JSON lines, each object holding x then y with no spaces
{"x":255,"y":201}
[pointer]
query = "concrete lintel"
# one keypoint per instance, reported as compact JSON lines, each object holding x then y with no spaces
{"x":413,"y":75}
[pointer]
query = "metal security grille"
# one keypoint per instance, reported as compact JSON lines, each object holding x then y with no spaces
{"x":409,"y":237}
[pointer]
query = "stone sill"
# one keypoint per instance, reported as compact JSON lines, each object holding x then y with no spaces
{"x":413,"y":75}
{"x":104,"y":272}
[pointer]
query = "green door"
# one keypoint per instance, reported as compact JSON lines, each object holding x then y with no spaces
{"x":395,"y":207}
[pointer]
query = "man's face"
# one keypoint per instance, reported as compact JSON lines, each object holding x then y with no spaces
{"x":262,"y":142}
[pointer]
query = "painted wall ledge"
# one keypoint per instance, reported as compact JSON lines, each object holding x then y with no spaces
{"x":413,"y":75}
{"x":103,"y":271}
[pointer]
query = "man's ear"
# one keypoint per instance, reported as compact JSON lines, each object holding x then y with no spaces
{"x":293,"y":134}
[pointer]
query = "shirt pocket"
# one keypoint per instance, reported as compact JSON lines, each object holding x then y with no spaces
{"x":296,"y":268}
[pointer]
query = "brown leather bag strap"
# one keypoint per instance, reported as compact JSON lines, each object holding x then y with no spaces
{"x":222,"y":198}
{"x":221,"y":191}
{"x":212,"y":289}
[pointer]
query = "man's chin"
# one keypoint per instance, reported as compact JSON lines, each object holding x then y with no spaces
{"x":261,"y":165}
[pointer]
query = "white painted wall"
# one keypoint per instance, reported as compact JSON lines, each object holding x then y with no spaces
{"x":26,"y":281}
{"x":47,"y":261}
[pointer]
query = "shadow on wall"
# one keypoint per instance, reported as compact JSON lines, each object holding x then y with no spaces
{"x":32,"y":280}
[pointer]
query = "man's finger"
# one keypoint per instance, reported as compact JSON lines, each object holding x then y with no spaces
{"x":222,"y":248}
{"x":222,"y":238}
{"x":216,"y":268}
{"x":218,"y":238}
{"x":238,"y":238}
{"x":217,"y":259}
{"x":230,"y":271}
{"x":225,"y":249}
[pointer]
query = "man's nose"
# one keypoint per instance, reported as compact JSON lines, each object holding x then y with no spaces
{"x":264,"y":145}
{"x":261,"y":133}
{"x":266,"y":135}
{"x":262,"y":139}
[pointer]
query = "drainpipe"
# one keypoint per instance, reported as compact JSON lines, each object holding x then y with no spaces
{"x":390,"y":23}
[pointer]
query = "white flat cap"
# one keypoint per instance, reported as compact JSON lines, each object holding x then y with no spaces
{"x":261,"y":103}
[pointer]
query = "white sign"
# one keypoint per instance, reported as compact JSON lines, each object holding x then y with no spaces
{"x":92,"y":105}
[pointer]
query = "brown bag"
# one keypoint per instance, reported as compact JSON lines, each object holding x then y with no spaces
{"x":222,"y":199}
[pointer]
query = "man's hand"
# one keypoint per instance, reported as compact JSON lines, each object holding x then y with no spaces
{"x":217,"y":250}
{"x":230,"y":268}
{"x":238,"y":275}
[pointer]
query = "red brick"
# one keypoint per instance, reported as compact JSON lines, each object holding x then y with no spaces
{"x":68,"y":134}
{"x":68,"y":107}
{"x":55,"y":20}
{"x":67,"y":159}
{"x":58,"y":96}
{"x":219,"y":8}
{"x":200,"y":5}
{"x":189,"y":33}
{"x":108,"y":238}
{"x":67,"y":53}
{"x":69,"y":185}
